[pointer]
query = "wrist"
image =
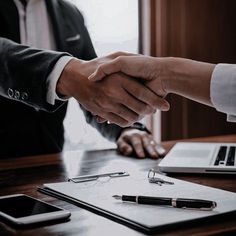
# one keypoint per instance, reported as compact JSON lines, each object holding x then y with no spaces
{"x":188,"y":78}
{"x":177,"y":72}
{"x":162,"y":71}
{"x":170,"y":74}
{"x":63,"y":88}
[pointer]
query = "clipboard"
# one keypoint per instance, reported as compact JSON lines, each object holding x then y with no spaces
{"x":95,"y":192}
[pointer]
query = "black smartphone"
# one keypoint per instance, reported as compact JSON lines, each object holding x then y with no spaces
{"x":21,"y":209}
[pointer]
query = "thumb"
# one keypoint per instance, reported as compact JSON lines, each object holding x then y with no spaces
{"x":104,"y":70}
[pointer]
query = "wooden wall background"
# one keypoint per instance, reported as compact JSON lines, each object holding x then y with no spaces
{"x":203,"y":30}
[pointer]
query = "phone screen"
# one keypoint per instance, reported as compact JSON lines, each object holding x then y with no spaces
{"x":22,"y":206}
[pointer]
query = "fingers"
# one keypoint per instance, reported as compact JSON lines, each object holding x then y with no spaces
{"x":130,"y":142}
{"x":133,"y":65}
{"x":138,"y":107}
{"x":101,"y":120}
{"x":130,"y":117}
{"x":118,"y":54}
{"x":125,"y":64}
{"x":139,"y":142}
{"x":116,"y":64}
{"x":123,"y":117}
{"x":120,"y":102}
{"x":141,"y":92}
{"x":124,"y":148}
{"x":149,"y":146}
{"x":116,"y":119}
{"x":137,"y":145}
{"x":105,"y":69}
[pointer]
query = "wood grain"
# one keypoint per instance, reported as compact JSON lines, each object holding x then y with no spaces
{"x":23,"y":175}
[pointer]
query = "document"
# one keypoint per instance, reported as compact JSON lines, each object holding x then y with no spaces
{"x":97,"y":197}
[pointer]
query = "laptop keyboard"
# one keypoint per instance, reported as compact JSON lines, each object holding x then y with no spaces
{"x":226,"y":156}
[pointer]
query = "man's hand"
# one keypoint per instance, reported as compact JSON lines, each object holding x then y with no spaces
{"x":150,"y":69}
{"x":133,"y":141}
{"x":117,"y":98}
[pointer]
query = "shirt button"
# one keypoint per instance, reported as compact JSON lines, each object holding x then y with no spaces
{"x":17,"y":94}
{"x":24,"y":96}
{"x":10,"y":92}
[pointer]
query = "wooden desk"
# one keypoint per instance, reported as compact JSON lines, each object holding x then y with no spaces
{"x":23,"y":175}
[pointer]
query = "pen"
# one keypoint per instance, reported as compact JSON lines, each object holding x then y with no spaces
{"x":174,"y":202}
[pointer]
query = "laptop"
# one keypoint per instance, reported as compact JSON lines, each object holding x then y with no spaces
{"x":187,"y":157}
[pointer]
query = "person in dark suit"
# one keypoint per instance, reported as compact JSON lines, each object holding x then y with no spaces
{"x":43,"y":65}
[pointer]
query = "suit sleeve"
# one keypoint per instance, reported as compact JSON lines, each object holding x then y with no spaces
{"x":109,"y":131}
{"x":23,"y":73}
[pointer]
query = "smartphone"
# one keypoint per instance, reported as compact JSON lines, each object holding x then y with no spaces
{"x":21,"y":209}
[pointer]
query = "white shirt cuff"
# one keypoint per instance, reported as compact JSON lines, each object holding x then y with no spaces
{"x":223,"y":89}
{"x":53,"y":78}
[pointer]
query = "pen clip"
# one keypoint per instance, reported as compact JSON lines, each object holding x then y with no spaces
{"x":87,"y":178}
{"x":159,"y":181}
{"x":156,"y":180}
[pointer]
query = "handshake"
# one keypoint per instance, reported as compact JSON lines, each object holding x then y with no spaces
{"x":122,"y":88}
{"x":115,"y":88}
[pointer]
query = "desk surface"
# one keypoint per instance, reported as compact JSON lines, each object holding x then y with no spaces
{"x":23,"y":175}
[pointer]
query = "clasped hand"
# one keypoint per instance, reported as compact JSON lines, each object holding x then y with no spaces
{"x":116,"y":96}
{"x":147,"y":70}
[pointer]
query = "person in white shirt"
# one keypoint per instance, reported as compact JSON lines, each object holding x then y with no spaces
{"x":210,"y":84}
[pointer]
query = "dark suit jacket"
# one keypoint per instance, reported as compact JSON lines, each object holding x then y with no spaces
{"x":28,"y":124}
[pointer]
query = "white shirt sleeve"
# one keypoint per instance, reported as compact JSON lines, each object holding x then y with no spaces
{"x":223,"y":90}
{"x":53,"y":78}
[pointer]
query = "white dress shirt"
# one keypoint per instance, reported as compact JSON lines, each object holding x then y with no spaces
{"x":36,"y":31}
{"x":223,"y":90}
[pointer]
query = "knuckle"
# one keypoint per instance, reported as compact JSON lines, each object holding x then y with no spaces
{"x":140,"y":109}
{"x":137,"y":146}
{"x":116,"y":54}
{"x":136,"y":137}
{"x":100,"y":68}
{"x":144,"y":136}
{"x":139,"y":93}
{"x":120,"y":58}
{"x":111,"y":93}
{"x":120,"y":143}
{"x":102,"y":103}
{"x":119,"y":53}
{"x":120,"y":61}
